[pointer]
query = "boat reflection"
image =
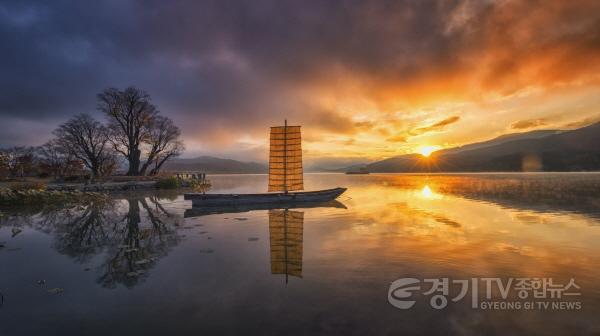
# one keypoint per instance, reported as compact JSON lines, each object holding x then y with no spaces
{"x":286,"y":230}
{"x":197,"y":211}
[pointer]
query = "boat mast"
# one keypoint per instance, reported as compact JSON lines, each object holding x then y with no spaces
{"x":285,"y":187}
{"x":285,"y":243}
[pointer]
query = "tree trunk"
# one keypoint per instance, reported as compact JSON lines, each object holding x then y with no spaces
{"x":159,"y":165}
{"x":134,"y":163}
{"x":133,"y":221}
{"x":145,"y":166}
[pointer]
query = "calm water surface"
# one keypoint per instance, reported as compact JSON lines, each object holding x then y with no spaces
{"x":150,"y":264}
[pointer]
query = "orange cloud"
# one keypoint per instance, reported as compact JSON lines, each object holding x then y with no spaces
{"x":398,"y":138}
{"x":583,"y":122}
{"x":530,"y":123}
{"x":412,"y":132}
{"x":437,"y":127}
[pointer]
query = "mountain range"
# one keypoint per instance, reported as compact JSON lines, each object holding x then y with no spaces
{"x":540,"y":150}
{"x":545,"y":150}
{"x":213,"y":165}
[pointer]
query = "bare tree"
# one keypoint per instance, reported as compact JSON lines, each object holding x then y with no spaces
{"x":130,"y":115}
{"x":56,"y":160}
{"x":87,"y":140}
{"x":163,"y":141}
{"x":109,"y":164}
{"x":18,"y":161}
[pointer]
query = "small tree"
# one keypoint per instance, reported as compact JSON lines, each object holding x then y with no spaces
{"x":87,"y":140}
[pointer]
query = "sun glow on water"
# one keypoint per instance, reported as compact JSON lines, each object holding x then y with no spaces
{"x":426,"y":192}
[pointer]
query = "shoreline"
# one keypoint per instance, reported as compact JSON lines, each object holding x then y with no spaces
{"x":76,"y":193}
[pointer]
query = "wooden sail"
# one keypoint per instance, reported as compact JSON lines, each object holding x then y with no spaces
{"x":285,"y":159}
{"x":286,"y":239}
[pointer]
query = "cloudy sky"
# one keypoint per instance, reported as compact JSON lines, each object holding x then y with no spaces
{"x":365,"y":79}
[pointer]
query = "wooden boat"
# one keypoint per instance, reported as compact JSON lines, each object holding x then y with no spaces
{"x":280,"y":199}
{"x":285,"y":175}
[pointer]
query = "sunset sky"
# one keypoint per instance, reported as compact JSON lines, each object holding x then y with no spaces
{"x":365,"y":79}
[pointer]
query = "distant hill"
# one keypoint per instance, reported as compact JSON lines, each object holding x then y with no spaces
{"x":333,"y":164}
{"x":502,"y":139}
{"x":213,"y":165}
{"x":576,"y":150}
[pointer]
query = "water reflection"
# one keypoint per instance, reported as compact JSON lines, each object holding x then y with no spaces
{"x":80,"y":231}
{"x":131,"y":234}
{"x":544,"y":193}
{"x":135,"y":245}
{"x":286,"y":230}
{"x":219,"y":266}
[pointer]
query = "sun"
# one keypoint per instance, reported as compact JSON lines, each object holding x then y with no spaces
{"x":427,"y":150}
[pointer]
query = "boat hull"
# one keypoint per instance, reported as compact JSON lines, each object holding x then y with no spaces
{"x":199,"y":199}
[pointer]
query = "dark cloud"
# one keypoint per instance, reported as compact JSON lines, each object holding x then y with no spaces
{"x":225,"y":67}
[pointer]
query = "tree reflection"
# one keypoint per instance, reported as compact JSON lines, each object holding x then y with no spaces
{"x":81,"y":231}
{"x":131,"y":234}
{"x":146,"y":233}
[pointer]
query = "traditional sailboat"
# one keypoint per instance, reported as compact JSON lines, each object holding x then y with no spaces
{"x":286,"y":177}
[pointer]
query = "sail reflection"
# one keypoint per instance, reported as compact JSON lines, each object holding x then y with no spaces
{"x":286,"y":230}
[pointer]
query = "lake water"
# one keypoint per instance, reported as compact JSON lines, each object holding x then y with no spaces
{"x":149,"y":264}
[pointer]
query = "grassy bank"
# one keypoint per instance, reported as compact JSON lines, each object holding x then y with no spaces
{"x":39,"y":192}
